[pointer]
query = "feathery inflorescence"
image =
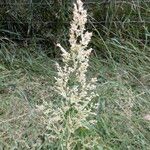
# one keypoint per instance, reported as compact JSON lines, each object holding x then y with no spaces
{"x":76,"y":62}
{"x":73,"y":112}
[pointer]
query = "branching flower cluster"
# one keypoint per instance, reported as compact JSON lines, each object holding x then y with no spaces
{"x":72,"y":85}
{"x":76,"y":62}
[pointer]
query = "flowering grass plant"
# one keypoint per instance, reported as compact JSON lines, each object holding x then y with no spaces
{"x":74,"y":117}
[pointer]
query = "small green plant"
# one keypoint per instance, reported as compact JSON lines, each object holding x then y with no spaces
{"x":71,"y":123}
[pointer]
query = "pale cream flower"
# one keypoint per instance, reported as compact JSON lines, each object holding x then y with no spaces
{"x":147,"y":117}
{"x":71,"y":82}
{"x":76,"y":60}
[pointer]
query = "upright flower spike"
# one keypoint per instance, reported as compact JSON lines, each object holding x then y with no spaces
{"x":73,"y":112}
{"x":76,"y":60}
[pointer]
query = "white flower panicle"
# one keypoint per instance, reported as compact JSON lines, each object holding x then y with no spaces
{"x":78,"y":26}
{"x":76,"y":61}
{"x":72,"y":84}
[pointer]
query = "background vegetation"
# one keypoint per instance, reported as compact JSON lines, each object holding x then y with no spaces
{"x":29,"y":31}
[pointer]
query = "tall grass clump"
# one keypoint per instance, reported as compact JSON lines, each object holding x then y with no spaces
{"x":70,"y":119}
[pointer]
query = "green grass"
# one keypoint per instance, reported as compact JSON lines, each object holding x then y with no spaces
{"x":120,"y":60}
{"x":27,"y":79}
